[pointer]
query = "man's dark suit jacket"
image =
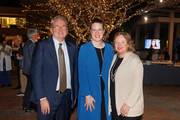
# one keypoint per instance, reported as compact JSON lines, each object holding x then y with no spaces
{"x":45,"y":71}
{"x":27,"y":58}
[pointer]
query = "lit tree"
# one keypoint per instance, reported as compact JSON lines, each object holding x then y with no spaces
{"x":79,"y":13}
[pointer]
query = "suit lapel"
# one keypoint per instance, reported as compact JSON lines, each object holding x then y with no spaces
{"x":70,"y":53}
{"x":51,"y":48}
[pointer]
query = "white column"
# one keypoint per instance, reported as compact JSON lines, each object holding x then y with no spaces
{"x":157,"y":31}
{"x":177,"y":36}
{"x":170,"y":34}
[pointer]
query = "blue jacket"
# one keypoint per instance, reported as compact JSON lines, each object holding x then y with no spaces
{"x":45,"y":72}
{"x":89,"y":80}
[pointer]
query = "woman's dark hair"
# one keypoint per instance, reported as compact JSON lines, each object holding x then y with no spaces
{"x":151,"y":44}
{"x":96,"y":19}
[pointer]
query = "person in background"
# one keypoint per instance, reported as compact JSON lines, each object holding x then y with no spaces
{"x":155,"y":55}
{"x":28,"y":50}
{"x":5,"y":63}
{"x":153,"y":44}
{"x":54,"y":74}
{"x":125,"y":83}
{"x":166,"y":54}
{"x":19,"y":56}
{"x":16,"y":61}
{"x":150,"y":53}
{"x":178,"y":53}
{"x":79,"y":42}
{"x":93,"y":66}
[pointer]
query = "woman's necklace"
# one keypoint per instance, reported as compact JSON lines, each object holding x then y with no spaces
{"x":101,"y":53}
{"x":113,"y":75}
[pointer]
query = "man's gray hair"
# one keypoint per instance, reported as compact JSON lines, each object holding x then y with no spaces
{"x":31,"y":32}
{"x":58,"y":17}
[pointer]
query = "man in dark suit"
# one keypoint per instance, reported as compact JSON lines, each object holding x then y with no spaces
{"x":49,"y":78}
{"x":27,"y":60}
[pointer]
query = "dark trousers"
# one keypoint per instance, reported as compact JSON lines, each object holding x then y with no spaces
{"x":178,"y":58}
{"x":18,"y":75}
{"x":28,"y":91}
{"x":114,"y":116}
{"x":60,"y":107}
{"x":8,"y":75}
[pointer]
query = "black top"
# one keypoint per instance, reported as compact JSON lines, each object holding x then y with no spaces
{"x":166,"y":55}
{"x":100,"y":54}
{"x":20,"y":50}
{"x":112,"y":83}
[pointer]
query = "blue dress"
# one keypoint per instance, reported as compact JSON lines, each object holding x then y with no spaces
{"x":89,"y":80}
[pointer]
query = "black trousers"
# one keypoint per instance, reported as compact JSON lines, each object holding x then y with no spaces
{"x":28,"y":91}
{"x":114,"y":116}
{"x":18,"y":75}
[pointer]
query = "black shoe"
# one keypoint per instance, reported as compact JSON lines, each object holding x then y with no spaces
{"x":2,"y":85}
{"x":18,"y":87}
{"x":9,"y":85}
{"x":31,"y":111}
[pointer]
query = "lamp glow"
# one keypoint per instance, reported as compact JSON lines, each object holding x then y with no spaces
{"x":145,"y":18}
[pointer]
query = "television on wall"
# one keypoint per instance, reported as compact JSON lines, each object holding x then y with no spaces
{"x":152,"y":44}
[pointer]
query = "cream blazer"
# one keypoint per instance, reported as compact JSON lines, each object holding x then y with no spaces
{"x":128,"y":85}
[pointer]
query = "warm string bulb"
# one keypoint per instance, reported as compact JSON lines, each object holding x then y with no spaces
{"x":79,"y":14}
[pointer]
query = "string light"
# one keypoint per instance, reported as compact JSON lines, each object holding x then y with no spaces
{"x":80,"y":12}
{"x":145,"y":18}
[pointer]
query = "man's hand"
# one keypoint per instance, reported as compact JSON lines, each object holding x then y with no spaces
{"x":45,"y":108}
{"x":89,"y":102}
{"x":74,"y":103}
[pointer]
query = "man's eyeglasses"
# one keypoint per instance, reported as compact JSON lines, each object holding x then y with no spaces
{"x":57,"y":27}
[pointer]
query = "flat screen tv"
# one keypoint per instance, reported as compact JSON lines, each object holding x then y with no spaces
{"x":152,"y":43}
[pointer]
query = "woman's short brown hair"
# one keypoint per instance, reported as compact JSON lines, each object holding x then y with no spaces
{"x":96,"y":19}
{"x":127,"y":36}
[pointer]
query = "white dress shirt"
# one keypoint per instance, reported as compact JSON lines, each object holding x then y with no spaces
{"x":32,"y":40}
{"x":66,"y":55}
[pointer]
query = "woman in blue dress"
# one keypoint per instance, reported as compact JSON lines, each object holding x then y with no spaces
{"x":93,"y":63}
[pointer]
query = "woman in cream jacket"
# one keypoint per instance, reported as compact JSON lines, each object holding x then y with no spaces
{"x":125,"y":84}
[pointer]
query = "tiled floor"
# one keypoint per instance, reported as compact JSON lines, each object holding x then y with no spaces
{"x":161,"y":103}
